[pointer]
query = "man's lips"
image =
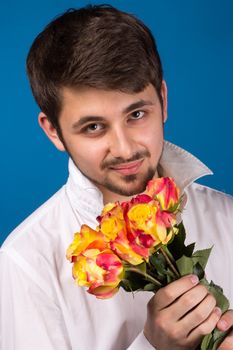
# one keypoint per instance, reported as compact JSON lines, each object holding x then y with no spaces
{"x":128,"y":168}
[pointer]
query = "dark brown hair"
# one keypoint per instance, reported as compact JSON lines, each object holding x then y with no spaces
{"x":95,"y":46}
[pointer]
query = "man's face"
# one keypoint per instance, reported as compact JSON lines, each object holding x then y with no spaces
{"x":114,"y":138}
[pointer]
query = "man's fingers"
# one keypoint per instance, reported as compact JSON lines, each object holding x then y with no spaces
{"x":200,"y":314}
{"x":205,"y":327}
{"x":226,"y":321}
{"x":187,"y":302}
{"x":167,"y":295}
{"x":227,"y":343}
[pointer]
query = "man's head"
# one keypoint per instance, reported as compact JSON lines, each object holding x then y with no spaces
{"x":97,"y":77}
{"x":96,"y":46}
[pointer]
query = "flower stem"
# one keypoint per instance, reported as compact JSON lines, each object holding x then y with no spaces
{"x":145,"y":275}
{"x":170,"y":264}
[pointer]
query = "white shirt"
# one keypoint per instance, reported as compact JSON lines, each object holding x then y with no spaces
{"x":40,"y":305}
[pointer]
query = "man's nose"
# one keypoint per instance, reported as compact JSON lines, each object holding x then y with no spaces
{"x":121,"y":144}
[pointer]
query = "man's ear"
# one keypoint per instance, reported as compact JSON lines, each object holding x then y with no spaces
{"x":50,"y":131}
{"x":164,"y":97}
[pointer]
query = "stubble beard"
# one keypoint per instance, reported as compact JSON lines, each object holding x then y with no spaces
{"x":130,"y":184}
{"x":126,"y":185}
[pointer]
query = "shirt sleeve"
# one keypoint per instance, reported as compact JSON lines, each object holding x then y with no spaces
{"x":141,"y":343}
{"x":28,"y":318}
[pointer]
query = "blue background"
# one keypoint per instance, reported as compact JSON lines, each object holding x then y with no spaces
{"x":195,"y":40}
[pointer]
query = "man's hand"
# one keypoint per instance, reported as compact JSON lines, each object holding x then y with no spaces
{"x":180,"y":315}
{"x":225,"y":323}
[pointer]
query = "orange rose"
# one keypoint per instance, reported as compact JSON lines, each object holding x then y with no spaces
{"x":101,"y":271}
{"x":95,"y":265}
{"x":85,"y":240}
{"x":127,"y":250}
{"x":165,"y":191}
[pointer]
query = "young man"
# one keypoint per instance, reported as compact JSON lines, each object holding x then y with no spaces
{"x":97,"y":77}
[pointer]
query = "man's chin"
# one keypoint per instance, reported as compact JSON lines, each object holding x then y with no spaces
{"x":130,"y":186}
{"x":127,"y":186}
{"x":125,"y":192}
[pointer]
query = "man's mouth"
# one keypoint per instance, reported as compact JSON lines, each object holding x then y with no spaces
{"x":128,"y":168}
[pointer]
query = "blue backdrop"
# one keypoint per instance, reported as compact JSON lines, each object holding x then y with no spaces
{"x":195,"y":39}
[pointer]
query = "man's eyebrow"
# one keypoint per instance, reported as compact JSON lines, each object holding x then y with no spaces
{"x":94,"y":119}
{"x":138,"y":104}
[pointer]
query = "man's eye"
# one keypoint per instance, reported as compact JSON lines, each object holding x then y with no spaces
{"x":92,"y":128}
{"x":137,"y":114}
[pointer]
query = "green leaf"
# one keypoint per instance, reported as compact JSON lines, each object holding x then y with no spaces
{"x":218,"y":337}
{"x":214,"y":339}
{"x":160,"y":268}
{"x":185,"y":265}
{"x":206,"y":342}
{"x":142,"y":267}
{"x":150,"y":287}
{"x":204,"y":282}
{"x":194,"y":264}
{"x":189,"y":249}
{"x":170,"y":279}
{"x":125,"y":284}
{"x":201,"y":256}
{"x":159,"y":263}
{"x":217,"y":292}
{"x":198,"y":270}
{"x":133,"y":281}
{"x":132,"y":285}
{"x":177,"y":246}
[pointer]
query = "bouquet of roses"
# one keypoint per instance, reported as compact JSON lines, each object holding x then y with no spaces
{"x":140,"y":245}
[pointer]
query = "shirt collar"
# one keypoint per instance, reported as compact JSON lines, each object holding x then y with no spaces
{"x":175,"y":162}
{"x":181,"y":165}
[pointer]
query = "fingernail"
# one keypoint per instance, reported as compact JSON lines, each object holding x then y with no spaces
{"x":194,"y":279}
{"x":218,"y":311}
{"x":223,"y":325}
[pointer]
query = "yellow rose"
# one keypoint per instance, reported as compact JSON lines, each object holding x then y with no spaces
{"x":101,"y":271}
{"x":83,"y":240}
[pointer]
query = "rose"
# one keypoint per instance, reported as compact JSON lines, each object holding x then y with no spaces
{"x":133,"y":229}
{"x":113,"y":227}
{"x":95,"y":265}
{"x":165,"y":191}
{"x":139,"y":217}
{"x":141,"y":224}
{"x":111,"y":221}
{"x":83,"y":241}
{"x":147,"y":225}
{"x":127,"y":250}
{"x":101,"y":271}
